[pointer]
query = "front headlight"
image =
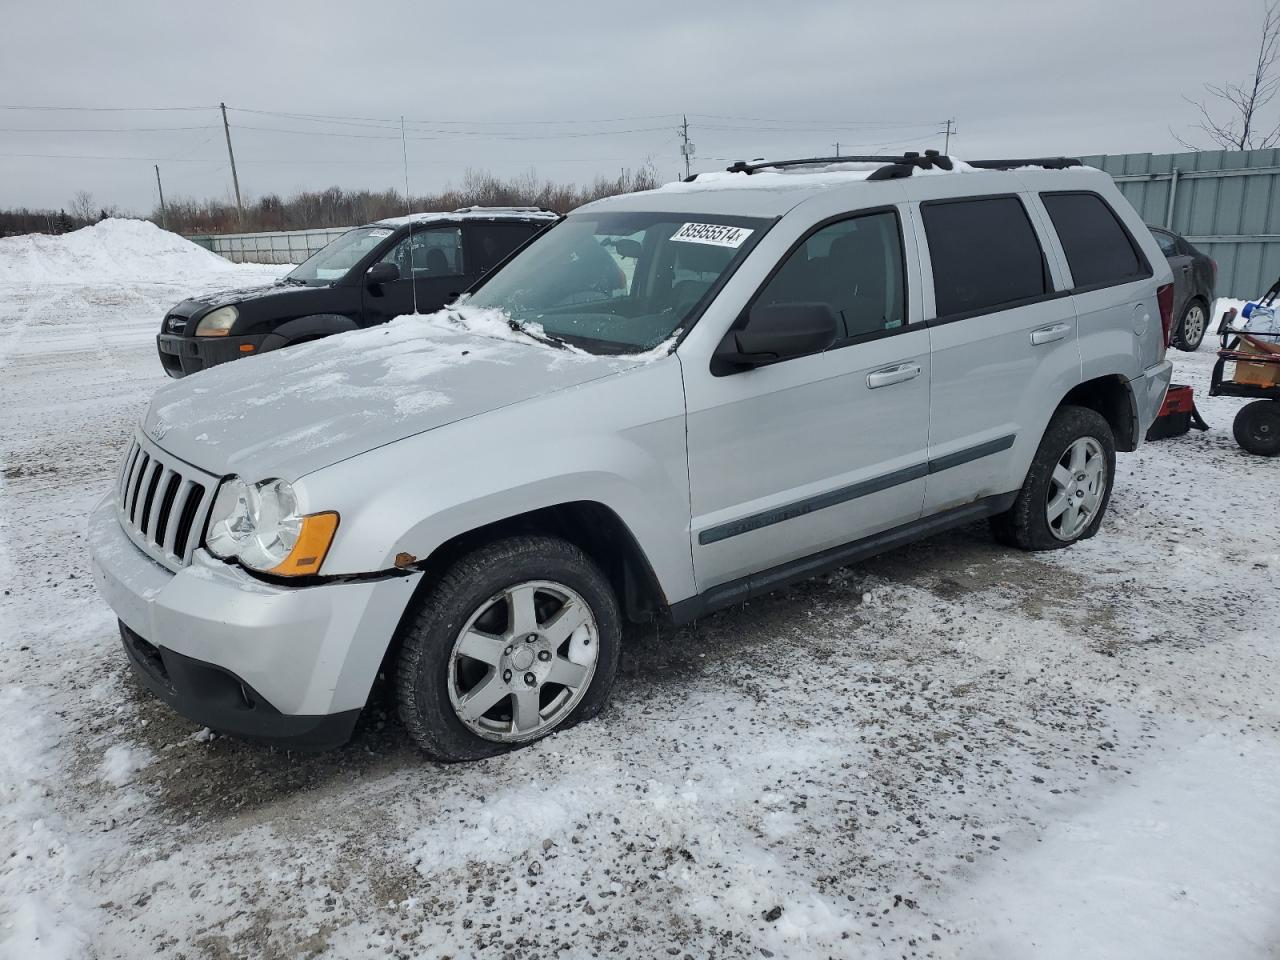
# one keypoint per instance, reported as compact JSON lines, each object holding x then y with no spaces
{"x":217,"y":323}
{"x":259,"y":525}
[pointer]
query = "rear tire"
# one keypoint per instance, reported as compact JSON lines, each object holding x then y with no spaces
{"x":1065,"y":494}
{"x":488,"y":663}
{"x":1257,"y":427}
{"x":1189,"y":332}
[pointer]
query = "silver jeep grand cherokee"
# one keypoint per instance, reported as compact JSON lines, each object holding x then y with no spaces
{"x":668,"y":403}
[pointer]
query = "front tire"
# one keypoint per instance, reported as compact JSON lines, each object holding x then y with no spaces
{"x":1068,"y":487}
{"x":1257,"y":427}
{"x":1191,"y":327}
{"x":517,"y":639}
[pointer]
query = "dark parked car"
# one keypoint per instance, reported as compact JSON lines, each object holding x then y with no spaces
{"x":367,"y":276}
{"x":1194,"y":275}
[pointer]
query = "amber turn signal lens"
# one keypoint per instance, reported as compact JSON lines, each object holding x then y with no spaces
{"x":247,"y":348}
{"x":313,"y":544}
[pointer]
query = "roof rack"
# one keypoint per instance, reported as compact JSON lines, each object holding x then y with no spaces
{"x":503,"y":209}
{"x":1049,"y":163}
{"x":902,"y":166}
{"x":894,"y":167}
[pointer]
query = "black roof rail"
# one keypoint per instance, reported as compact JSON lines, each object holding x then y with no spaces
{"x":894,"y":167}
{"x":1048,"y":163}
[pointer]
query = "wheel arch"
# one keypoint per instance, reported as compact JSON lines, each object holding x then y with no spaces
{"x":309,"y":327}
{"x":588,"y":524}
{"x":1112,"y":397}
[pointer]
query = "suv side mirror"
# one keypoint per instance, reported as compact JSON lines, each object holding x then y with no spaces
{"x":381,"y":273}
{"x":778,"y":332}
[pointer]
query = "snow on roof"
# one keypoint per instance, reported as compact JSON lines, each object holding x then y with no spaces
{"x":473,"y":213}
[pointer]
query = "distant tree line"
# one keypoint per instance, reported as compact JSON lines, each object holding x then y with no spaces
{"x":336,"y":207}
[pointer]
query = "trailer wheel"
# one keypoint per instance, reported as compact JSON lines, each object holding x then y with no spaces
{"x":1257,"y":427}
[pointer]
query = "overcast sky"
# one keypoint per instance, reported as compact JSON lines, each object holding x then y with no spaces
{"x":572,"y":90}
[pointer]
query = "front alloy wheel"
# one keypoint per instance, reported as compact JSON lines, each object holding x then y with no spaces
{"x":515,"y":640}
{"x":523,"y":661}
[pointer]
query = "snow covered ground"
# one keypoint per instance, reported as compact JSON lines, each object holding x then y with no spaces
{"x":950,"y":751}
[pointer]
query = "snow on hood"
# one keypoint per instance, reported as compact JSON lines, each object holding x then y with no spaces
{"x":294,"y":411}
{"x":111,"y":251}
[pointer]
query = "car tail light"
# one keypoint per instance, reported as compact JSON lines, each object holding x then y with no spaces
{"x":1164,"y":297}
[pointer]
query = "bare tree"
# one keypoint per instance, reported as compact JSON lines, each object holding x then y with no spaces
{"x":1231,"y":121}
{"x":83,"y":208}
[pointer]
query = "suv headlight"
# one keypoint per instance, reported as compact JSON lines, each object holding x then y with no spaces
{"x":259,"y":525}
{"x":217,"y":323}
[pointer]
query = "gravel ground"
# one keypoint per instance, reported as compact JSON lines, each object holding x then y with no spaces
{"x":950,"y":750}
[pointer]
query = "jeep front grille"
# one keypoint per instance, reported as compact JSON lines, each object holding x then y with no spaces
{"x":163,"y":503}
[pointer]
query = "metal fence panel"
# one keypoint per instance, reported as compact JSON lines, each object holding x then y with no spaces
{"x":1225,"y":202}
{"x":282,"y":246}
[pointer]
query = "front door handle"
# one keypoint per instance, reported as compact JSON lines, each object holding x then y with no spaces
{"x":1058,"y":331}
{"x":891,"y":375}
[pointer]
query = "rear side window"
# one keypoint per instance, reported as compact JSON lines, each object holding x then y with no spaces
{"x":491,"y":242}
{"x":1168,"y":243}
{"x":985,"y":255}
{"x":1099,"y":250}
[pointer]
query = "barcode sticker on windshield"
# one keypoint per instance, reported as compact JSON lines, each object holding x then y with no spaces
{"x":716,"y":234}
{"x":379,"y":234}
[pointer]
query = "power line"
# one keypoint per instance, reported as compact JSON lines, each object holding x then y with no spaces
{"x":106,"y":109}
{"x":102,"y":129}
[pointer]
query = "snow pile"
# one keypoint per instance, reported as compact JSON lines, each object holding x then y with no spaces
{"x":113,"y":250}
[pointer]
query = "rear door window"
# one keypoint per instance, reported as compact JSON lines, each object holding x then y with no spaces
{"x":491,"y":242}
{"x":985,"y":255}
{"x":1099,"y":250}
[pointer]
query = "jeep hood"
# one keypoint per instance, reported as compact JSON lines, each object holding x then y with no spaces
{"x":288,"y":413}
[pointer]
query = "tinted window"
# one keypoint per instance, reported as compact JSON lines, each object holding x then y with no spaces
{"x":1168,"y":242}
{"x":433,"y":252}
{"x":1099,"y":251}
{"x":491,"y":242}
{"x":984,"y":253}
{"x":855,"y":266}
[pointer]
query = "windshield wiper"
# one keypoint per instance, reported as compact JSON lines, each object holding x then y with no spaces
{"x":522,"y":326}
{"x":293,"y":280}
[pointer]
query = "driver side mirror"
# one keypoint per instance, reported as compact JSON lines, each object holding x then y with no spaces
{"x":381,"y":273}
{"x":776,"y":332}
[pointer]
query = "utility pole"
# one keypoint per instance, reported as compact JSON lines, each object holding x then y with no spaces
{"x":946,"y":147}
{"x":226,"y":128}
{"x":164,"y":215}
{"x":837,"y":146}
{"x":686,"y":147}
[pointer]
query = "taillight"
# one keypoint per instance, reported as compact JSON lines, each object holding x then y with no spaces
{"x":1164,"y":297}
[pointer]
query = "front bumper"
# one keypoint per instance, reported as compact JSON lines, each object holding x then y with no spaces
{"x":288,"y":664}
{"x":181,"y":355}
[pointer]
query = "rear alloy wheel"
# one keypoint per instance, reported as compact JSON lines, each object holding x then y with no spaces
{"x":1065,"y":494}
{"x":1189,"y":333}
{"x":1257,"y":427}
{"x":517,"y":639}
{"x":1076,"y":488}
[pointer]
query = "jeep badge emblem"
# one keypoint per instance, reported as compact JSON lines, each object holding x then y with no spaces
{"x":157,"y":430}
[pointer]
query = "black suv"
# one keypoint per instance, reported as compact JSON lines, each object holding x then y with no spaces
{"x":366,"y":276}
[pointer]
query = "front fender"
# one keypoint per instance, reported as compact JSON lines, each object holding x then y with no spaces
{"x":618,"y":441}
{"x":308,"y":328}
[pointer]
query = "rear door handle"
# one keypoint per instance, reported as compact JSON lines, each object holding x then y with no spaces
{"x":1058,"y":331}
{"x":891,"y":375}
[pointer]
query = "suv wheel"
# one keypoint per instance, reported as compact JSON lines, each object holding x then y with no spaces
{"x":517,"y":639}
{"x":1066,"y":492}
{"x":1257,"y":427}
{"x":1189,"y":333}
